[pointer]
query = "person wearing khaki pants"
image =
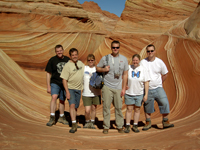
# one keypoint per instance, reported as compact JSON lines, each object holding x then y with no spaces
{"x":112,"y":96}
{"x":115,"y":67}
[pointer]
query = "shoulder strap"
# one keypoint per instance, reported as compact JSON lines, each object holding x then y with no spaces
{"x":107,"y":58}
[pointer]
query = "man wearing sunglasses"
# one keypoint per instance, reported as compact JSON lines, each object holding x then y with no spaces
{"x":72,"y":75}
{"x":115,"y":79}
{"x":158,"y":74}
{"x":55,"y":86}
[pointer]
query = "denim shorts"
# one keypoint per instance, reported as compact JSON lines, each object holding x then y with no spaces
{"x":89,"y":101}
{"x":133,"y":100}
{"x":75,"y":96}
{"x":60,"y":91}
{"x":160,"y":97}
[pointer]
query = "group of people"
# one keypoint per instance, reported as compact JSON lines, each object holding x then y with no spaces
{"x":139,"y":82}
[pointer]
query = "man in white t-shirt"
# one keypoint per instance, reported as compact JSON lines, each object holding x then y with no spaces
{"x":158,"y":74}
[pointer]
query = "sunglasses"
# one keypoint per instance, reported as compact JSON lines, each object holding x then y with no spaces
{"x":76,"y":66}
{"x":91,"y":60}
{"x":115,"y":47}
{"x":150,"y":51}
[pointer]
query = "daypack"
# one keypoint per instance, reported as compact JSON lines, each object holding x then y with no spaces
{"x":97,"y":78}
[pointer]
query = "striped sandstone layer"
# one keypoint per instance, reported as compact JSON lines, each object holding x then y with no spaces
{"x":30,"y":30}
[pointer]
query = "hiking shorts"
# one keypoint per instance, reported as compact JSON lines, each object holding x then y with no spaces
{"x":89,"y":101}
{"x":60,"y":91}
{"x":160,"y":97}
{"x":133,"y":100}
{"x":75,"y":96}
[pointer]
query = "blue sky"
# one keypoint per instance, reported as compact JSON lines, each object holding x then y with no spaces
{"x":113,"y":6}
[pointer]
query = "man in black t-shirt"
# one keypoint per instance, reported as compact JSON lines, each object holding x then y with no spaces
{"x":54,"y":84}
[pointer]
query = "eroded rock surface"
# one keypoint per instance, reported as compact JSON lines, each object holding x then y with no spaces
{"x":29,"y":31}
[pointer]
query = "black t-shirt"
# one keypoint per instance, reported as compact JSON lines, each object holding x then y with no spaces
{"x":55,"y":66}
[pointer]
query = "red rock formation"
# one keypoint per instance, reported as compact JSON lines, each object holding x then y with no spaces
{"x":94,"y":7}
{"x":30,"y":30}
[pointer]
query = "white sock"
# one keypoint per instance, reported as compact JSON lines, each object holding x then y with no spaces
{"x":52,"y":114}
{"x":87,"y":121}
{"x":127,"y":124}
{"x":61,"y":115}
{"x":135,"y":124}
{"x":74,"y":121}
{"x":92,"y":120}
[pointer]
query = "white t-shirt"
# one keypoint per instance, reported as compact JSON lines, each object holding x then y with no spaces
{"x":156,"y":69}
{"x":136,"y":79}
{"x":89,"y":91}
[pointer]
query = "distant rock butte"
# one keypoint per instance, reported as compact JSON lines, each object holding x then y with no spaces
{"x":29,"y":31}
{"x":94,"y":7}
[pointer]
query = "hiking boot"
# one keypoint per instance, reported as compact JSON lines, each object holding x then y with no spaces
{"x":63,"y":120}
{"x":127,"y":129}
{"x":105,"y":131}
{"x":74,"y":128}
{"x":51,"y":121}
{"x":121,"y":130}
{"x":147,"y":126}
{"x":166,"y":124}
{"x":92,"y":125}
{"x":135,"y":129}
{"x":87,"y":125}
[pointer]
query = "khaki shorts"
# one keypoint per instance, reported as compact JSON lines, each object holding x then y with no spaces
{"x":89,"y":101}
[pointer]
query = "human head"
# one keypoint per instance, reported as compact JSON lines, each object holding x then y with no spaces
{"x":91,"y":60}
{"x":150,"y":49}
{"x":115,"y":47}
{"x":59,"y":51}
{"x":73,"y":53}
{"x":136,"y":60}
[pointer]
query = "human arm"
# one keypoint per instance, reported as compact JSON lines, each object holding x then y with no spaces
{"x":66,"y":89}
{"x":124,"y":82}
{"x":48,"y":78}
{"x":164,"y":77}
{"x":105,"y":69}
{"x":103,"y":65}
{"x":146,"y":89}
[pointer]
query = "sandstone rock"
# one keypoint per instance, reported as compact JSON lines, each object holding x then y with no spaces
{"x":29,"y":31}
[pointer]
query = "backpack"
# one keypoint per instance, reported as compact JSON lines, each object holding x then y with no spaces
{"x":97,"y":78}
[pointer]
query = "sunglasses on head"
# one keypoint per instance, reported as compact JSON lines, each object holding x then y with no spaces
{"x":150,"y":51}
{"x":76,"y":66}
{"x":115,"y":47}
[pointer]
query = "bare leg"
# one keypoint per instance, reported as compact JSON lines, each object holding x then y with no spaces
{"x":165,"y":116}
{"x":129,"y":113}
{"x":136,"y":114}
{"x":62,"y":107}
{"x":53,"y":103}
{"x":72,"y":111}
{"x":148,"y":116}
{"x":93,"y":112}
{"x":87,"y":112}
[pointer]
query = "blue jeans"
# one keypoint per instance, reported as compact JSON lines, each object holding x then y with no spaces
{"x":75,"y":96}
{"x":60,"y":91}
{"x":160,"y":97}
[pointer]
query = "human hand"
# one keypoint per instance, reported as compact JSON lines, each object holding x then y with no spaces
{"x":123,"y":92}
{"x":67,"y":95}
{"x":107,"y":68}
{"x":49,"y":90}
{"x":145,"y":98}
